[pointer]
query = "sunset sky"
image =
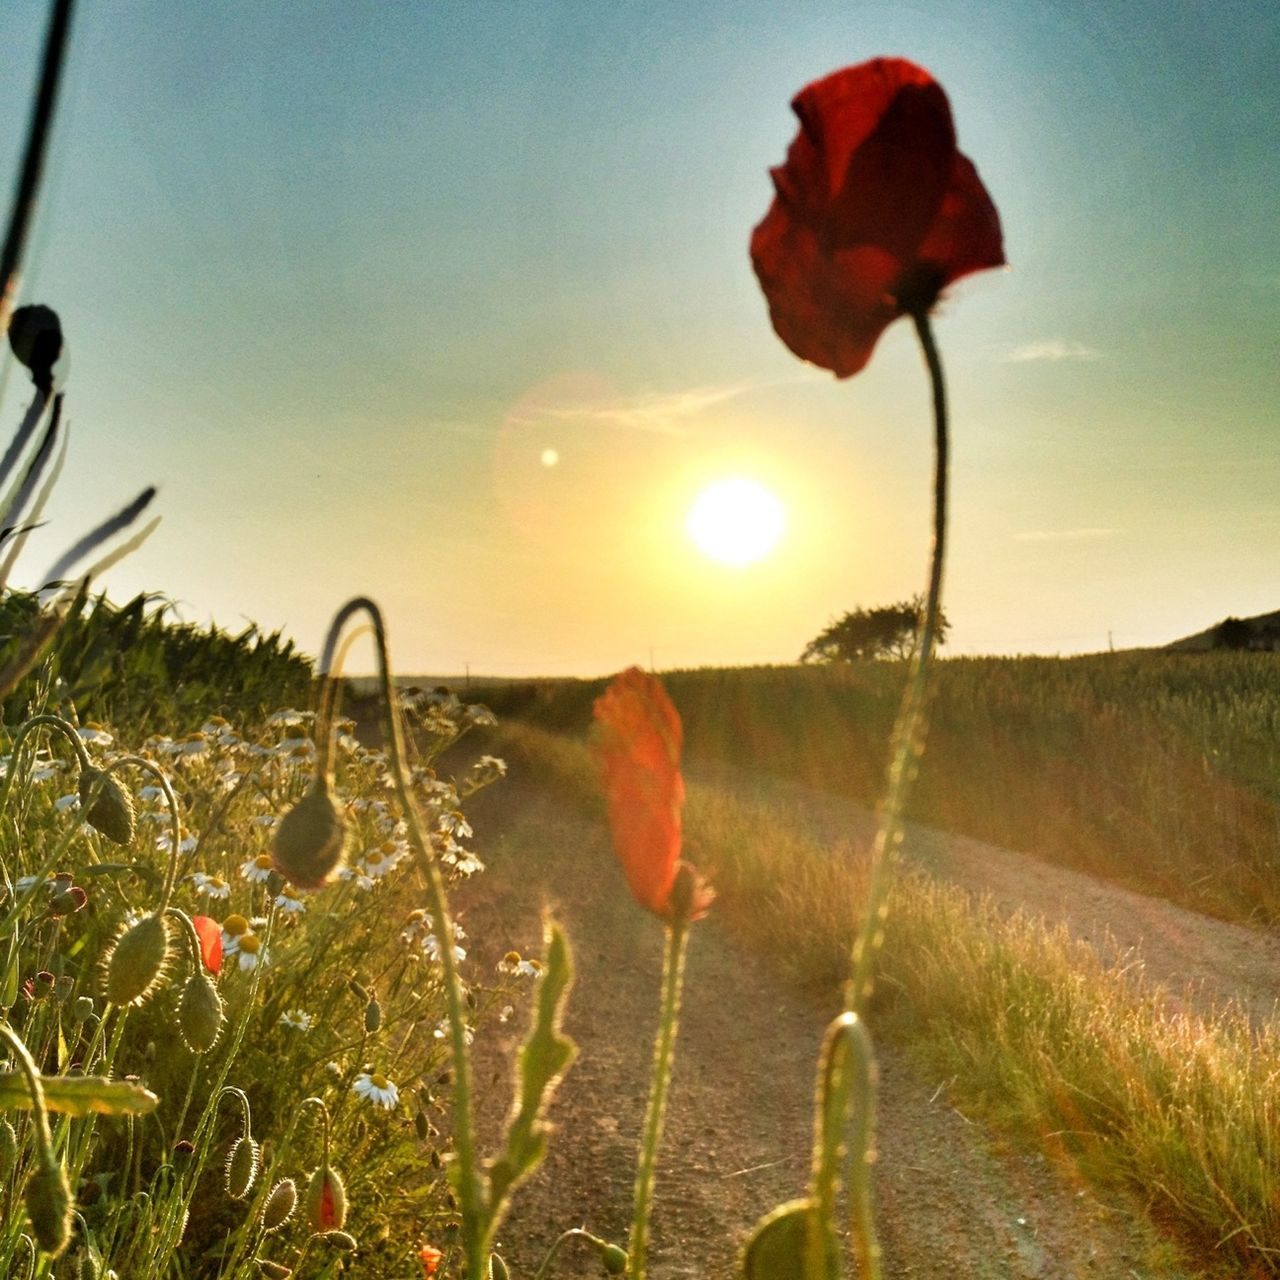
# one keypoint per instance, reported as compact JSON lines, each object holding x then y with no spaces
{"x":449,"y":303}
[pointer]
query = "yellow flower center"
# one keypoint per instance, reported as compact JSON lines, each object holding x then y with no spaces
{"x":511,"y":958}
{"x":235,"y":926}
{"x":251,"y":943}
{"x":217,"y":882}
{"x":378,"y":1081}
{"x":388,"y":847}
{"x":263,"y":862}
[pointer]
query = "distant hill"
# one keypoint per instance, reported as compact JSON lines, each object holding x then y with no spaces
{"x":1260,"y":633}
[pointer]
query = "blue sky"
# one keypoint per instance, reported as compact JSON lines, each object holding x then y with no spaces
{"x":335,"y":276}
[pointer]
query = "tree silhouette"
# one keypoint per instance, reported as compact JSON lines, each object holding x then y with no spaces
{"x":889,"y":631}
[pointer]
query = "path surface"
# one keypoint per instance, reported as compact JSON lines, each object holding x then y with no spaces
{"x":951,"y":1202}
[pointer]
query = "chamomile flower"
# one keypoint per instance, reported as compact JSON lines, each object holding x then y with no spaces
{"x":290,"y":905}
{"x":516,"y":966}
{"x":288,"y":716}
{"x":210,"y":886}
{"x":95,"y":735}
{"x":63,"y":803}
{"x":453,"y":823}
{"x":377,"y":862}
{"x":194,"y":744}
{"x":296,"y":1020}
{"x":250,"y":952}
{"x":257,"y":870}
{"x":377,"y":1089}
{"x":186,"y":844}
{"x":442,"y":1032}
{"x":235,"y":927}
{"x":363,"y":881}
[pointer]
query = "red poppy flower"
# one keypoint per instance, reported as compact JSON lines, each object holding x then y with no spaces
{"x":430,"y":1259}
{"x":876,"y":212}
{"x":637,"y":744}
{"x":210,"y":934}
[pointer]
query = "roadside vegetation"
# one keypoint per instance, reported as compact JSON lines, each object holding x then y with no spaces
{"x":1039,"y":1033}
{"x":1157,"y":771}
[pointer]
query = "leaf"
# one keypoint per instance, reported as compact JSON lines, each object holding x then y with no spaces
{"x":542,"y":1060}
{"x":78,"y":1095}
{"x":789,"y":1244}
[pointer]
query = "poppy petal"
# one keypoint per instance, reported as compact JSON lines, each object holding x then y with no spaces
{"x":210,"y":934}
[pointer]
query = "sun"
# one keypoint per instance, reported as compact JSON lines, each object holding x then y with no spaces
{"x":736,"y":521}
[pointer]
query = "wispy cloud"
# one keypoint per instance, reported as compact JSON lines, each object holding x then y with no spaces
{"x":664,"y":412}
{"x":1052,"y":349}
{"x":1065,"y":535}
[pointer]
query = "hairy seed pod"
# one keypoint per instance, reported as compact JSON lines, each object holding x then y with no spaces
{"x":242,"y":1167}
{"x":200,"y":1013}
{"x":372,"y":1016}
{"x":135,"y":965}
{"x":342,"y":1240}
{"x":326,"y":1202}
{"x":112,"y":812}
{"x":280,"y":1205}
{"x":49,"y":1205}
{"x":90,"y":1265}
{"x":421,"y":1124}
{"x":307,"y":846}
{"x":272,"y":1270}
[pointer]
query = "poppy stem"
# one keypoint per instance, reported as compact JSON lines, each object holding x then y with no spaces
{"x":655,"y":1113}
{"x":909,"y":729}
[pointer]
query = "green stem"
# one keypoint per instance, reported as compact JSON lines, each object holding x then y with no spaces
{"x":24,"y":199}
{"x":663,"y":1052}
{"x":470,"y":1192}
{"x":175,"y":822}
{"x":909,"y":730}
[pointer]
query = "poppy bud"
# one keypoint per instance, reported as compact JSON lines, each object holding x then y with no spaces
{"x":341,"y":1240}
{"x":372,"y":1016}
{"x":273,"y":1270}
{"x":44,"y":984}
{"x":614,"y":1259}
{"x":135,"y":965}
{"x":112,"y":812}
{"x":49,"y":1205}
{"x":90,"y":1266}
{"x":82,"y":1010}
{"x":498,"y":1268}
{"x":326,"y":1202}
{"x":422,"y":1125}
{"x":307,"y":845}
{"x":200,"y":1013}
{"x":35,"y":336}
{"x":280,"y":1205}
{"x":183,"y":1150}
{"x":242,"y":1167}
{"x":63,"y":985}
{"x":357,"y":989}
{"x":66,"y":902}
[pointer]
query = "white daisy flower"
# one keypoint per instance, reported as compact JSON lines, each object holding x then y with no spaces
{"x":289,"y":716}
{"x":377,"y":862}
{"x":63,"y":803}
{"x":235,"y":927}
{"x":95,"y":734}
{"x":516,"y":966}
{"x":289,"y":905}
{"x":152,"y":794}
{"x":479,"y":716}
{"x":264,"y":820}
{"x":454,"y":824}
{"x":187,"y":844}
{"x":296,"y":1020}
{"x":362,"y":881}
{"x":257,"y":870}
{"x":210,"y":886}
{"x":250,"y":953}
{"x":377,"y":1089}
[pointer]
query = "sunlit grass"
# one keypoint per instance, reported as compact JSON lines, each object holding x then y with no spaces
{"x":1042,"y":1035}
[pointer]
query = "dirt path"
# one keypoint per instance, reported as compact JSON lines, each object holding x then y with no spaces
{"x":1201,"y":962}
{"x":950,"y":1202}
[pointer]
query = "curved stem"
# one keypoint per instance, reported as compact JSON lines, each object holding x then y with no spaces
{"x":470,"y":1193}
{"x":245,"y":1118}
{"x":574,"y":1233}
{"x":909,"y":729}
{"x":175,"y":822}
{"x":655,"y":1113}
{"x":24,"y":199}
{"x":26,"y":1064}
{"x":324,"y":1112}
{"x":188,"y":930}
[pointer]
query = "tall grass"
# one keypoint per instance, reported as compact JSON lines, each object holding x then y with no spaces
{"x":1159,"y":771}
{"x":1085,"y":1059}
